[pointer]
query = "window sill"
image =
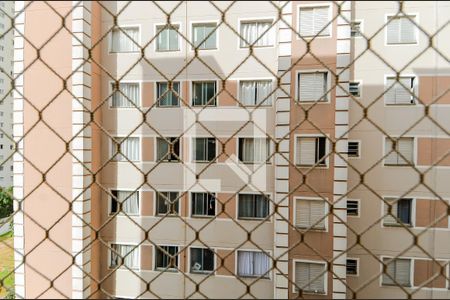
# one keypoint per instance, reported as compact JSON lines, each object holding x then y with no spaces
{"x":314,"y":229}
{"x":400,"y":104}
{"x":171,"y":270}
{"x":313,"y":166}
{"x":123,"y":214}
{"x":167,"y":51}
{"x":310,"y":102}
{"x":254,"y":276}
{"x":253,"y":219}
{"x":401,"y":225}
{"x":202,"y":272}
{"x":203,"y":216}
{"x":394,"y":285}
{"x":399,"y":165}
{"x":307,"y":292}
{"x":264,"y":46}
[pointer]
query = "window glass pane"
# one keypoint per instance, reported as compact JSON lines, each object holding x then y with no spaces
{"x":404,"y":210}
{"x":202,"y":260}
{"x":167,"y":203}
{"x":200,"y":32}
{"x":168,"y":97}
{"x":166,"y":257}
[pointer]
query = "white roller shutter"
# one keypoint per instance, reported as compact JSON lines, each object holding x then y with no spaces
{"x":389,"y":218}
{"x":317,"y":213}
{"x":316,"y":278}
{"x":390,"y":269}
{"x":321,"y":21}
{"x":406,"y":148}
{"x":402,"y":272}
{"x":391,"y":159}
{"x":401,"y":30}
{"x":306,"y":21}
{"x":303,"y":214}
{"x":306,"y":152}
{"x":312,"y":86}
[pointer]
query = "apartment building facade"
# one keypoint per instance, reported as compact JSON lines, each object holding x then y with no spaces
{"x":240,"y":172}
{"x":6,"y":64}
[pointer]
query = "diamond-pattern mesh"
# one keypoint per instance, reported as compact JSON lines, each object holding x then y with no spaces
{"x":253,"y":206}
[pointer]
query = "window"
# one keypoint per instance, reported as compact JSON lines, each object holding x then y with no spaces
{"x":167,"y":38}
{"x":403,"y":153}
{"x":129,"y":200}
{"x":125,"y":39}
{"x":312,"y":87}
{"x":355,"y":30}
{"x":255,"y":92}
{"x":257,"y":33}
{"x":353,"y":149}
{"x":126,"y":96}
{"x":203,"y":204}
{"x":253,"y":206}
{"x":353,"y":208}
{"x":253,"y":264}
{"x":1,"y":168}
{"x":310,"y":277}
{"x":166,"y":96}
{"x":314,"y":21}
{"x":401,"y":30}
{"x":204,"y":149}
{"x":1,"y":146}
{"x":202,"y":260}
{"x":124,"y":255}
{"x":254,"y":150}
{"x":399,"y":271}
{"x":168,"y":149}
{"x":204,"y":36}
{"x":354,"y":89}
{"x":167,"y":203}
{"x":400,"y":213}
{"x":310,"y":214}
{"x":129,"y":149}
{"x":352,"y":266}
{"x":204,"y":93}
{"x":311,"y":151}
{"x":166,"y":257}
{"x":401,"y":91}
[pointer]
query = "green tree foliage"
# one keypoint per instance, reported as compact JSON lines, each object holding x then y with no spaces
{"x":6,"y":202}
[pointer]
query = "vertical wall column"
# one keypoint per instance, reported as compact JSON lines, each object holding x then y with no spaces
{"x":81,"y":149}
{"x":340,"y":164}
{"x":18,"y":161}
{"x":282,"y":127}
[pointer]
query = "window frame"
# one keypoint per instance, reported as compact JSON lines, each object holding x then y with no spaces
{"x":257,"y":19}
{"x":329,"y":91}
{"x":313,"y":5}
{"x":268,"y":275}
{"x":189,"y":260}
{"x":192,"y":150}
{"x":110,"y":243}
{"x":268,"y":197}
{"x":123,"y":137}
{"x":270,"y":153}
{"x":217,"y":31}
{"x":166,"y":269}
{"x":416,"y":31}
{"x":357,"y":260}
{"x":111,"y":91}
{"x":155,"y":34}
{"x":156,"y":91}
{"x":122,"y":214}
{"x":415,"y":90}
{"x":165,"y":160}
{"x":156,"y":205}
{"x":358,"y":208}
{"x":326,"y":211}
{"x":191,"y":94}
{"x":397,"y":224}
{"x":414,"y":149}
{"x":325,"y":275}
{"x":265,"y":105}
{"x":191,"y":203}
{"x":411,"y":272}
{"x":326,"y":165}
{"x":139,"y":42}
{"x":359,"y":149}
{"x":361,"y":28}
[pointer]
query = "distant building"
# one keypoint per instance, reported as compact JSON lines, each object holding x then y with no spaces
{"x":6,"y":63}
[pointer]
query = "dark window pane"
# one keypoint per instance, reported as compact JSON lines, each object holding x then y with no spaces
{"x":165,"y":257}
{"x":320,"y":153}
{"x":211,"y":149}
{"x":404,"y":210}
{"x":202,"y":260}
{"x":114,"y":204}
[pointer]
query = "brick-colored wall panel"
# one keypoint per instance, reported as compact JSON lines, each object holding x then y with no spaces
{"x":434,"y":89}
{"x":428,"y":211}
{"x":146,"y":257}
{"x":424,"y":270}
{"x":148,"y":97}
{"x":228,"y":151}
{"x":228,"y":265}
{"x":147,"y":203}
{"x":229,"y":95}
{"x":228,"y":202}
{"x":148,"y":149}
{"x":432,"y":151}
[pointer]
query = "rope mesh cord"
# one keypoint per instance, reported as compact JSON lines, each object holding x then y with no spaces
{"x":125,"y":75}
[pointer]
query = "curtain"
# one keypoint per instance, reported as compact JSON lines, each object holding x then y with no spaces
{"x":251,"y":31}
{"x":245,"y":263}
{"x":261,"y":264}
{"x":130,"y":148}
{"x":264,"y":88}
{"x":261,"y":206}
{"x":246,"y":205}
{"x":130,"y":202}
{"x":122,"y":43}
{"x":127,"y":95}
{"x":248,"y":92}
{"x":130,"y":257}
{"x":266,"y":37}
{"x":248,"y":150}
